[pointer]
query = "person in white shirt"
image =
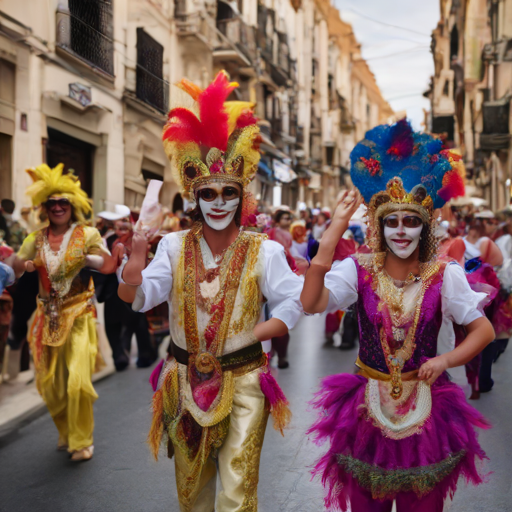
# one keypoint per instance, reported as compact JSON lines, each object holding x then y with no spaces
{"x":213,"y":396}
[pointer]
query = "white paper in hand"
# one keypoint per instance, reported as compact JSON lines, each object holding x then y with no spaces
{"x":151,"y":215}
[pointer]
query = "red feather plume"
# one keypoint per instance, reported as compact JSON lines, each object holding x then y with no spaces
{"x":402,"y":141}
{"x":211,"y":129}
{"x":453,"y":186}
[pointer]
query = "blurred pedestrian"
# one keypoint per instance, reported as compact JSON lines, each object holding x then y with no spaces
{"x":121,"y":322}
{"x":481,"y":256}
{"x":17,"y":232}
{"x":6,"y":279}
{"x":280,"y":233}
{"x":319,"y":226}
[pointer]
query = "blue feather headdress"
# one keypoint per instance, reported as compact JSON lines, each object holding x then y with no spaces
{"x":416,"y":158}
{"x":396,"y":168}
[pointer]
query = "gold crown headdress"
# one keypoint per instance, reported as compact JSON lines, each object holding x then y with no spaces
{"x":211,"y":140}
{"x":396,"y":198}
{"x":49,"y":182}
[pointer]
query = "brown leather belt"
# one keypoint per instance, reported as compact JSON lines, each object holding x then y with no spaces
{"x":232,"y":361}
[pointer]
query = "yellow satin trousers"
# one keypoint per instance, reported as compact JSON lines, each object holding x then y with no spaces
{"x":238,"y":461}
{"x":64,"y":382}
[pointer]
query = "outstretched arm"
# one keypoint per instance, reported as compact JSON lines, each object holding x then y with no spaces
{"x":105,"y":263}
{"x":315,"y":296}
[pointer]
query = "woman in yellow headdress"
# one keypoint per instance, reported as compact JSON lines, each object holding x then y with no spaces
{"x":63,"y":335}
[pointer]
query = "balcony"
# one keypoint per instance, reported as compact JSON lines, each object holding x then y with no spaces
{"x":198,"y":25}
{"x":85,"y":31}
{"x":237,"y":42}
{"x":266,"y":45}
{"x":496,"y":116}
{"x":496,"y":132}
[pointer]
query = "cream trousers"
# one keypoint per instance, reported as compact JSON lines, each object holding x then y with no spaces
{"x":238,"y":460}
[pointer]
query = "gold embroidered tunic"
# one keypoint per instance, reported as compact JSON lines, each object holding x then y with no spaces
{"x":216,"y":418}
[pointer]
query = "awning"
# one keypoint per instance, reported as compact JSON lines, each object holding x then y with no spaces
{"x":265,"y":174}
{"x":272,"y":150}
{"x":283,"y":172}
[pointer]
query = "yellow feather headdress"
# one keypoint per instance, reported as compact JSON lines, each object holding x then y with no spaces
{"x":209,"y":139}
{"x":52,"y":182}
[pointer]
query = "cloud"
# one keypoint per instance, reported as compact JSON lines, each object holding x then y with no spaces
{"x":405,"y":73}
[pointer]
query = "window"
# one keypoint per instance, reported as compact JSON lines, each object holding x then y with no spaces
{"x":151,"y":87}
{"x":496,"y":116}
{"x":454,"y":42}
{"x":329,"y":155}
{"x":92,"y":33}
{"x":75,"y":154}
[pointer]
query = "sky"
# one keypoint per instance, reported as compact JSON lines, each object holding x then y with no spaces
{"x":399,"y":57}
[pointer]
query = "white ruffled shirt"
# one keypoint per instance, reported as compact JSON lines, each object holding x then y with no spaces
{"x":278,"y":284}
{"x":459,"y":302}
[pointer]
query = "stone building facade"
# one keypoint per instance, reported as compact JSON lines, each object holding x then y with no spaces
{"x":86,"y":82}
{"x":471,"y":89}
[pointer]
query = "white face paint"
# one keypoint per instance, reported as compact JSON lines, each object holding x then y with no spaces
{"x":220,"y":212}
{"x":400,"y":239}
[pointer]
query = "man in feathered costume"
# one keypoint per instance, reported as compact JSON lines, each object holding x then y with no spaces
{"x":63,"y":334}
{"x":399,"y":430}
{"x":214,"y":395}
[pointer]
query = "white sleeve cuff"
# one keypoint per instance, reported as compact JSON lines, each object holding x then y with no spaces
{"x":139,"y":301}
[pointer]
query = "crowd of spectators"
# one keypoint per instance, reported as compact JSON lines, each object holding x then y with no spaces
{"x":465,"y":235}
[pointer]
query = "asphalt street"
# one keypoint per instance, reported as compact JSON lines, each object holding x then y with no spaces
{"x":122,"y":477}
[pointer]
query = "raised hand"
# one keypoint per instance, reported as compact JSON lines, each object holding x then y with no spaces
{"x":347,"y":205}
{"x":132,"y":273}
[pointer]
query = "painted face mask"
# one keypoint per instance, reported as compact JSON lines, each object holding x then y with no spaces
{"x":402,"y":231}
{"x":218,"y":203}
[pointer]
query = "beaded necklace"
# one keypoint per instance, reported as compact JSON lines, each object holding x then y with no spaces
{"x":392,"y":308}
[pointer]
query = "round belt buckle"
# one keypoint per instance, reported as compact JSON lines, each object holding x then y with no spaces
{"x":206,"y":362}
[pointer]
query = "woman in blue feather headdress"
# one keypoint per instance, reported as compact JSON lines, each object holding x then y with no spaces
{"x":399,"y":429}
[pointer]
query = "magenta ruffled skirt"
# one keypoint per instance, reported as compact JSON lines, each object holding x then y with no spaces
{"x":445,"y":449}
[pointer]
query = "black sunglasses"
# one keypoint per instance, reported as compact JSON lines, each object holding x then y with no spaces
{"x":52,"y":203}
{"x":409,"y":221}
{"x":209,"y":194}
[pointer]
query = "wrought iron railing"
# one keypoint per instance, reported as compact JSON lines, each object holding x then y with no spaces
{"x":86,"y":31}
{"x":238,"y":33}
{"x":151,"y":87}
